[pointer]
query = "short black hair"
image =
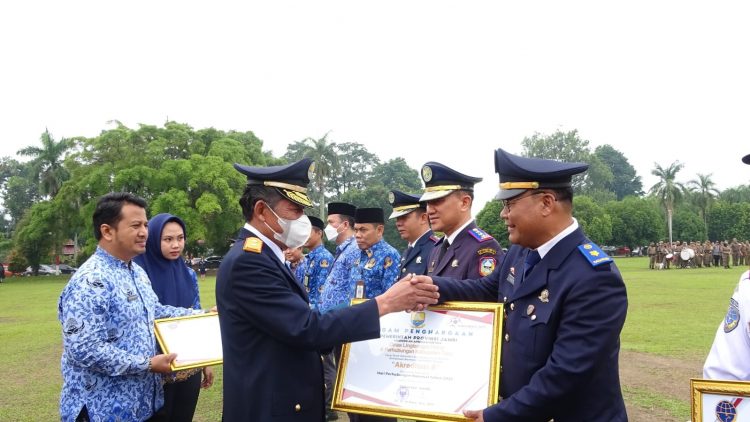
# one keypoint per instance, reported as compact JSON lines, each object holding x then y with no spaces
{"x":255,"y":193}
{"x":109,"y":209}
{"x":563,"y":194}
{"x":347,"y":218}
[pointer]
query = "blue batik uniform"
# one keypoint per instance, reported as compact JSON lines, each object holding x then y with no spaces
{"x":312,"y":273}
{"x":339,"y":287}
{"x":377,"y":266}
{"x":107,"y":312}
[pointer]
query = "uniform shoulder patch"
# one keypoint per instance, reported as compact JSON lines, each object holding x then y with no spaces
{"x":487,"y":266}
{"x":594,"y":254}
{"x":435,"y":239}
{"x":323,"y":263}
{"x":252,"y":244}
{"x":480,"y":235}
{"x":732,"y":320}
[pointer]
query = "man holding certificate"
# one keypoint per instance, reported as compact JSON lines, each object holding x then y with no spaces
{"x":564,"y":298}
{"x":272,"y":341}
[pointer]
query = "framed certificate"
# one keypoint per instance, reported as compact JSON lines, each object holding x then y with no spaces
{"x":715,"y":400}
{"x":427,"y":365}
{"x":195,"y":338}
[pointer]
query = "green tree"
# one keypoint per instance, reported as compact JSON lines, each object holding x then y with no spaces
{"x":355,"y":167}
{"x":727,"y":220}
{"x":704,"y":194}
{"x":35,"y":234}
{"x":489,"y":220}
{"x":326,"y":159}
{"x":735,"y":195}
{"x":667,"y":189}
{"x":594,"y":219}
{"x":396,"y":174}
{"x":19,"y":194}
{"x":688,"y":226}
{"x":635,"y":221}
{"x":563,"y":146}
{"x":47,"y":162}
{"x":625,"y":181}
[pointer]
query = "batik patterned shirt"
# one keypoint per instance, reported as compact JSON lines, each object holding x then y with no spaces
{"x":107,"y":312}
{"x":377,"y":268}
{"x":312,"y":273}
{"x":338,"y":288}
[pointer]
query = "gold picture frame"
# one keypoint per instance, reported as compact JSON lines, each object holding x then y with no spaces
{"x":430,"y":364}
{"x":709,"y":397}
{"x":195,"y":338}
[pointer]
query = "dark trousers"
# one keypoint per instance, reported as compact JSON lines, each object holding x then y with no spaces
{"x":180,"y":399}
{"x":329,"y":377}
{"x":716,"y":260}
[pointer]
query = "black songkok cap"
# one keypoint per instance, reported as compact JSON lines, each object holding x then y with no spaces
{"x":317,"y":222}
{"x":341,"y":208}
{"x":369,"y":215}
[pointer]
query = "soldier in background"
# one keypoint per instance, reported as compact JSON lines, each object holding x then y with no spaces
{"x":466,"y":251}
{"x":743,"y":253}
{"x":698,"y":247}
{"x":707,"y":253}
{"x":726,"y":253}
{"x":414,"y":227}
{"x":651,"y":256}
{"x":735,"y":246}
{"x":660,"y":253}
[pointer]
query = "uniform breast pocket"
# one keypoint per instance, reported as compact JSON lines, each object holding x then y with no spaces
{"x":540,"y":331}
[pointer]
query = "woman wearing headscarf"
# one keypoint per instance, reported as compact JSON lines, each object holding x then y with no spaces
{"x":175,"y":284}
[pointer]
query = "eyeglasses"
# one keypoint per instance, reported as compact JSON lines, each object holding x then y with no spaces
{"x":508,"y":202}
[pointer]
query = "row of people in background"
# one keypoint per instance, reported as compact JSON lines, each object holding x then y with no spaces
{"x":698,"y":254}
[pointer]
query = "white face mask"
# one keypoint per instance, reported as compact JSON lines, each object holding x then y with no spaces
{"x":294,"y":232}
{"x":331,"y":232}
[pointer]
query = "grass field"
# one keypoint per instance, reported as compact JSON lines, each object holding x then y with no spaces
{"x":672,"y":314}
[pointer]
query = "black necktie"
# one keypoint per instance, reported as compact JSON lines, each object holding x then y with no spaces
{"x":532,"y":258}
{"x":408,"y":251}
{"x":443,"y":248}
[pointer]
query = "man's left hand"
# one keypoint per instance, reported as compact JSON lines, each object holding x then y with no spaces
{"x":208,"y":377}
{"x":474,"y":414}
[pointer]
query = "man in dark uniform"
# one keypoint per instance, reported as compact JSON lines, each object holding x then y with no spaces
{"x":271,"y":339}
{"x":565,"y":303}
{"x":466,"y":251}
{"x":413,"y":226}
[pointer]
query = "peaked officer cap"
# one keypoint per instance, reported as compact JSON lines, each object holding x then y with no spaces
{"x":403,"y":203}
{"x":341,"y":208}
{"x":290,"y":180}
{"x":518,"y":174}
{"x":369,"y":215}
{"x":440,"y":180}
{"x":317,"y":222}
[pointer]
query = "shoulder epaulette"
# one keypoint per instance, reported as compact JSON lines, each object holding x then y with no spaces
{"x":480,"y":235}
{"x":252,"y":244}
{"x":594,"y":254}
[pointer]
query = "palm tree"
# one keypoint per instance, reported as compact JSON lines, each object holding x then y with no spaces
{"x":705,"y":194}
{"x":47,"y":162}
{"x":326,"y":163}
{"x":668,"y":190}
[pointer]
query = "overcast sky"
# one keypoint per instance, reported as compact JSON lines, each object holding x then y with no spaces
{"x":424,"y":80}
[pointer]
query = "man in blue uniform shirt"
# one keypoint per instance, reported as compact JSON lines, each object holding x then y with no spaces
{"x":376,"y":269}
{"x":466,"y":251}
{"x":271,"y":339}
{"x":565,"y":303}
{"x":315,"y":266}
{"x":413,"y":226}
{"x":338,"y":289}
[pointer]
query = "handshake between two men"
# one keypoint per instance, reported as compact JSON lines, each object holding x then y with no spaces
{"x":411,"y":293}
